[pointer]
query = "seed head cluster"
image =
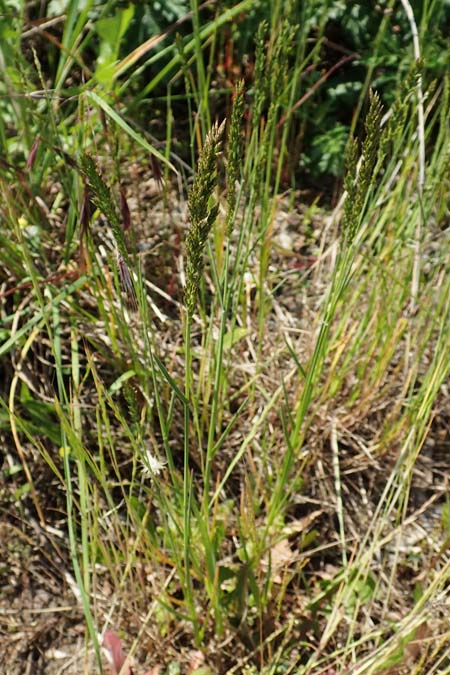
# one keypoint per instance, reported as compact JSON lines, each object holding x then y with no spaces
{"x":359,"y":184}
{"x":234,"y":152}
{"x":202,"y":214}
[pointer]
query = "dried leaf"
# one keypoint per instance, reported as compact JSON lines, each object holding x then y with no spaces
{"x":126,"y":217}
{"x":33,"y":152}
{"x":281,"y":556}
{"x":126,"y":281}
{"x":85,"y":213}
{"x":113,"y":644}
{"x":301,"y":524}
{"x":196,"y":659}
{"x":156,"y":170}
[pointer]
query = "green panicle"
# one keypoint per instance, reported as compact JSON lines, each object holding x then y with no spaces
{"x":131,"y":398}
{"x":202,"y":214}
{"x":370,"y":145}
{"x":393,"y":137}
{"x":279,"y":62}
{"x":396,"y":123}
{"x":234,"y":152}
{"x":260,"y":79}
{"x":272,"y":68}
{"x":358,"y":186}
{"x":101,"y":196}
{"x":350,"y":185}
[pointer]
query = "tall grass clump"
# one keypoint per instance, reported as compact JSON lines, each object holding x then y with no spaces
{"x":202,"y":214}
{"x":223,"y":399}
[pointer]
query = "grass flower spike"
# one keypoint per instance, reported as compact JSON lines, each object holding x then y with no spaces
{"x":202,"y":213}
{"x":234,"y":152}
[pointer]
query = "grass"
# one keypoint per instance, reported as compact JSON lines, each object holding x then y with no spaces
{"x":223,"y":408}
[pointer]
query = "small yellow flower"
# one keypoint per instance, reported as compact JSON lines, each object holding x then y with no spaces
{"x":64,"y":451}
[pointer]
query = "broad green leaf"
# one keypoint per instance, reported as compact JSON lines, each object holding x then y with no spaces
{"x":111,"y":31}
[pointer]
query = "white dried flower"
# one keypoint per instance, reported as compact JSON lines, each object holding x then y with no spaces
{"x":151,"y":464}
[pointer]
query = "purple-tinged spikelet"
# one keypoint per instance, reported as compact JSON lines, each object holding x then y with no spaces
{"x":125,"y":280}
{"x":156,"y":170}
{"x":126,"y":217}
{"x":33,"y":152}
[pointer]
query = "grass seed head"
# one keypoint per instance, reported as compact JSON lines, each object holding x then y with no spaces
{"x":85,"y":213}
{"x":350,"y":184}
{"x":102,"y":198}
{"x":260,"y":79}
{"x":33,"y":152}
{"x":202,"y":213}
{"x":359,"y":185}
{"x":234,"y":151}
{"x":126,"y":217}
{"x":126,"y":281}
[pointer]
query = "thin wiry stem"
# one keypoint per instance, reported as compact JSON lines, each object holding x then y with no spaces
{"x":421,"y":179}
